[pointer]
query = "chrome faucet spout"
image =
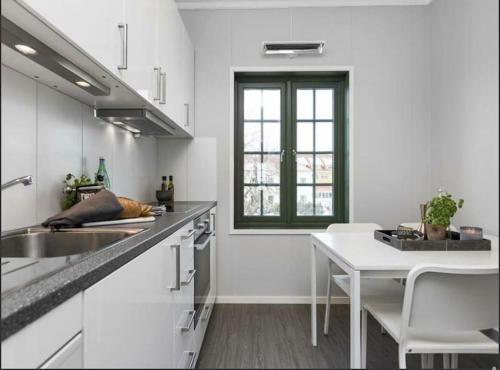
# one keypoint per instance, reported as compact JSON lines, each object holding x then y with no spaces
{"x":25,"y":180}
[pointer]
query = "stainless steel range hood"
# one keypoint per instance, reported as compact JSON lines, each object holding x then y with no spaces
{"x":138,"y":121}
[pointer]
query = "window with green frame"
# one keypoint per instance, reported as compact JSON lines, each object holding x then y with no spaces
{"x":290,"y":150}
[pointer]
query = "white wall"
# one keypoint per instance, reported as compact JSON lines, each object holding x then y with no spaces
{"x":464,"y":131}
{"x":388,"y":47}
{"x":47,"y":134}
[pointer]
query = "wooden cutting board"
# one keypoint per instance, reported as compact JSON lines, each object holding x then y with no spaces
{"x":120,"y":222}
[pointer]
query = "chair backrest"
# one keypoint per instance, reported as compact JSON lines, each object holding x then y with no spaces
{"x":353,"y":228}
{"x":450,"y":298}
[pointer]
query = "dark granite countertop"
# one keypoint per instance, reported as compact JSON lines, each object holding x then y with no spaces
{"x":24,"y":304}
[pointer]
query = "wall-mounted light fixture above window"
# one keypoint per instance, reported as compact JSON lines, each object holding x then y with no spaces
{"x":293,"y":48}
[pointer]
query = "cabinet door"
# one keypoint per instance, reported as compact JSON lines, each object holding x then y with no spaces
{"x":188,"y":86}
{"x":92,"y":24}
{"x":142,"y":72}
{"x":170,"y":40}
{"x":128,"y":315}
{"x":68,"y":357}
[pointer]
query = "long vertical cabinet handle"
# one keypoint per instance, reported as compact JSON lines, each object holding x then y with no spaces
{"x":213,"y":226}
{"x":163,"y":81}
{"x":187,"y":114}
{"x":157,"y":95}
{"x":177,"y":285}
{"x":123,"y":27}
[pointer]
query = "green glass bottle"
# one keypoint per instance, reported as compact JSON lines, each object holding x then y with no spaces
{"x":102,"y":174}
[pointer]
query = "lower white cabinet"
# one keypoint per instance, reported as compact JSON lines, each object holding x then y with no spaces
{"x":46,"y":339}
{"x":131,"y":316}
{"x":68,"y":357}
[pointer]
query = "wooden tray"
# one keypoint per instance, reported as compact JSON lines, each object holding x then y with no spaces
{"x":452,"y":244}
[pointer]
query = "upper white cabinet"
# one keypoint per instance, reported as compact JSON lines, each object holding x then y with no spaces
{"x":92,"y":24}
{"x":188,"y":82}
{"x":143,"y":42}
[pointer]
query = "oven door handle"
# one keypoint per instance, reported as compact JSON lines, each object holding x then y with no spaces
{"x":202,"y":246}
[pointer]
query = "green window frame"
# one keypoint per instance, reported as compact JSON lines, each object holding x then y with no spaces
{"x":265,"y":153}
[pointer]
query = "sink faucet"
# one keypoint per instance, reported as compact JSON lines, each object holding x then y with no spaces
{"x":25,"y":180}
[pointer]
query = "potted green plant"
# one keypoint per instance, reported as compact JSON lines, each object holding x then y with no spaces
{"x":438,"y":216}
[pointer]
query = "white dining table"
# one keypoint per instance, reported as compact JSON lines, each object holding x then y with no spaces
{"x":361,"y":256}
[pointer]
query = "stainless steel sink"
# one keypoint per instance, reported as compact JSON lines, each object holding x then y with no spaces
{"x":44,"y":243}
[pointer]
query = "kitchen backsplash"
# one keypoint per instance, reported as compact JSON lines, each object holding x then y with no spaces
{"x":48,"y":134}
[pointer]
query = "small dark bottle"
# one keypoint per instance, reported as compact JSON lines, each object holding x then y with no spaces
{"x":163,"y":183}
{"x":170,"y":188}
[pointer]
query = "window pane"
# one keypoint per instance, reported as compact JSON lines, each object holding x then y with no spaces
{"x":304,"y":104}
{"x":252,"y":137}
{"x":324,"y":104}
{"x":251,"y":169}
{"x":324,"y":169}
{"x":272,"y":140}
{"x":305,"y":200}
{"x":251,"y":200}
{"x":271,"y":169}
{"x":304,"y":168}
{"x":271,"y":101}
{"x":324,"y":201}
{"x":324,"y":136}
{"x":271,"y":200}
{"x":305,"y":136}
{"x":252,"y":102}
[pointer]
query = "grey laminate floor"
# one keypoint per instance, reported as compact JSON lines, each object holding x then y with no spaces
{"x":278,"y":336}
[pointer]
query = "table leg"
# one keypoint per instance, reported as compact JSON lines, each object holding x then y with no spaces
{"x":355,"y":297}
{"x":314,"y":326}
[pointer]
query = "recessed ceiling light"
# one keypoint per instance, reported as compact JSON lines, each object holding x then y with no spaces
{"x":25,"y":49}
{"x":118,"y":123}
{"x":82,"y":83}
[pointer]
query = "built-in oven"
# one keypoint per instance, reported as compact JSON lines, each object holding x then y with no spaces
{"x":202,"y":238}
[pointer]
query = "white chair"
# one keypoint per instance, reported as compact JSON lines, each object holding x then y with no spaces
{"x":382,"y":289}
{"x":443,"y":310}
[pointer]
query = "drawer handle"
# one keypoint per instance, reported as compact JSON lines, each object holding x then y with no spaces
{"x":191,"y":354}
{"x":189,"y":277}
{"x":190,"y":321}
{"x":188,"y":235}
{"x":207,"y":313}
{"x":177,"y":285}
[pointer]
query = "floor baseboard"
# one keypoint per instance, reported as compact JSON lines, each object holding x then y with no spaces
{"x":277,"y":300}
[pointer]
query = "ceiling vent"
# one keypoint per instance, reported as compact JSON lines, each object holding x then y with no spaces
{"x":292,"y":48}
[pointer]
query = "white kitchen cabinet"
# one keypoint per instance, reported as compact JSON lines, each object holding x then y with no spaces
{"x":33,"y":345}
{"x":188,"y":82}
{"x":127,"y":315}
{"x":131,"y":316}
{"x":68,"y":357}
{"x":143,"y":42}
{"x":170,"y":58}
{"x":142,"y":72}
{"x":92,"y":24}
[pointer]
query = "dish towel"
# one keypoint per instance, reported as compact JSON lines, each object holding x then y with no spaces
{"x":102,"y":206}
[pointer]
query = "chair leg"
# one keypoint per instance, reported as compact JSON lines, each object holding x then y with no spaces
{"x":454,"y":360}
{"x":328,"y":298}
{"x":402,"y":358}
{"x":424,"y":362}
{"x":364,"y":332}
{"x":430,"y":361}
{"x":446,"y":361}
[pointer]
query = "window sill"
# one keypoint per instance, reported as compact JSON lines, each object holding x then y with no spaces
{"x":274,"y":231}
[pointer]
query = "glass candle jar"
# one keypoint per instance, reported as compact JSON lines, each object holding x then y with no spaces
{"x":471,"y":233}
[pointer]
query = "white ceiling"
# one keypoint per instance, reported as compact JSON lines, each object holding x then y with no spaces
{"x":256,"y":4}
